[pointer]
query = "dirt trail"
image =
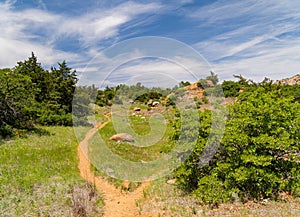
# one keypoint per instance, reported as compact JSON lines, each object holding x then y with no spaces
{"x":117,"y":203}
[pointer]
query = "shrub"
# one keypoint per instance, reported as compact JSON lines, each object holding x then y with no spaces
{"x":231,"y":88}
{"x":259,"y":153}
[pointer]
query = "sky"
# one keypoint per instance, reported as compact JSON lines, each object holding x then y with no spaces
{"x":254,"y":38}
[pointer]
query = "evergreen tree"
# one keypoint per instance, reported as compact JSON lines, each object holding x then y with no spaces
{"x":17,"y":102}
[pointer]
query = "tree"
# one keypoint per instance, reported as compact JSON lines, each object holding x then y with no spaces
{"x":209,"y":81}
{"x":37,"y":74}
{"x":17,"y":102}
{"x":65,"y":80}
{"x":54,"y":90}
{"x":83,"y":96}
{"x":202,"y":83}
{"x":245,"y":82}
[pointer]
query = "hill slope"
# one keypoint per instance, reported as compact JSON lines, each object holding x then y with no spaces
{"x":290,"y":81}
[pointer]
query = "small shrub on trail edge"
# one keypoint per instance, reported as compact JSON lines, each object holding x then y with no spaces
{"x":259,"y":154}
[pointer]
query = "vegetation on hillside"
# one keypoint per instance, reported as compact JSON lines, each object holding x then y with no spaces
{"x":122,"y":92}
{"x":259,"y":154}
{"x":258,"y":158}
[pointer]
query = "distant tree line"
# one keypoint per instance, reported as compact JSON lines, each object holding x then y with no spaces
{"x":137,"y":93}
{"x":235,"y":88}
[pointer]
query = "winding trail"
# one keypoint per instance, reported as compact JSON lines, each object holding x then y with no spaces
{"x":117,"y":203}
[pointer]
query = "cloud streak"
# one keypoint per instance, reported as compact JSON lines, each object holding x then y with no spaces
{"x":38,"y":30}
{"x":255,"y":38}
{"x":103,"y":24}
{"x":264,"y":43}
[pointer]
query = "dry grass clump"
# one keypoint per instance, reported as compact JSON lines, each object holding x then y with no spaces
{"x":85,"y":201}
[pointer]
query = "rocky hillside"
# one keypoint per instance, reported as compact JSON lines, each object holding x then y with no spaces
{"x":290,"y":81}
{"x":193,"y":90}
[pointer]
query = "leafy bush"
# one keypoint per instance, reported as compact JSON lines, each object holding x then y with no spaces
{"x":213,"y":78}
{"x":205,"y":100}
{"x":259,"y":154}
{"x":51,"y":119}
{"x":291,"y":90}
{"x":231,"y":88}
{"x":202,"y":83}
{"x":184,"y":83}
{"x":170,"y":102}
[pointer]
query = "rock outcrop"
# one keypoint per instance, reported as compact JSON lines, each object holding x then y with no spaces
{"x":123,"y":137}
{"x":290,"y":81}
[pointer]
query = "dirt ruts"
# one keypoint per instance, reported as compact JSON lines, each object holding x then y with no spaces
{"x":117,"y":203}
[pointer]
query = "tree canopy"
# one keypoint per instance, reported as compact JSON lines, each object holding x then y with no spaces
{"x":32,"y":95}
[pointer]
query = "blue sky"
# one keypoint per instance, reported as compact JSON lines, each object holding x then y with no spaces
{"x":255,"y":38}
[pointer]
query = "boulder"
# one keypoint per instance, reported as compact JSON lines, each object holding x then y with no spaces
{"x":137,"y":109}
{"x":123,"y":137}
{"x":155,"y":103}
{"x":150,"y":102}
{"x":131,"y":101}
{"x":171,"y":181}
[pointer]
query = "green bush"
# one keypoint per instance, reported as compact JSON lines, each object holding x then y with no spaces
{"x":259,"y":153}
{"x":205,"y":100}
{"x":291,"y":90}
{"x":52,"y":119}
{"x":231,"y":88}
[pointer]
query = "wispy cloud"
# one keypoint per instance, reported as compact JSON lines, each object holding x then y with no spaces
{"x":102,"y":24}
{"x":16,"y":41}
{"x":274,"y":59}
{"x":42,"y":4}
{"x":23,"y":31}
{"x":150,"y":71}
{"x":258,"y":38}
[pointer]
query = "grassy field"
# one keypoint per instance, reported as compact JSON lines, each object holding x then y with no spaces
{"x":151,"y":134}
{"x":163,"y":199}
{"x":135,"y":153}
{"x":39,"y":177}
{"x":142,"y":124}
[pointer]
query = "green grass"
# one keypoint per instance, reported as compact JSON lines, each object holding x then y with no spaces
{"x":139,"y":125}
{"x":139,"y":105}
{"x":133,"y":152}
{"x":39,"y":176}
{"x":162,"y":199}
{"x":98,"y":117}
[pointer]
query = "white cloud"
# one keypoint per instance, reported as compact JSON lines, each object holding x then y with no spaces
{"x":264,"y":44}
{"x":156,"y":61}
{"x":251,"y":10}
{"x":17,"y":41}
{"x":38,"y":30}
{"x":280,"y":60}
{"x":13,"y":51}
{"x":255,"y":37}
{"x":153,"y":72}
{"x":102,"y":24}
